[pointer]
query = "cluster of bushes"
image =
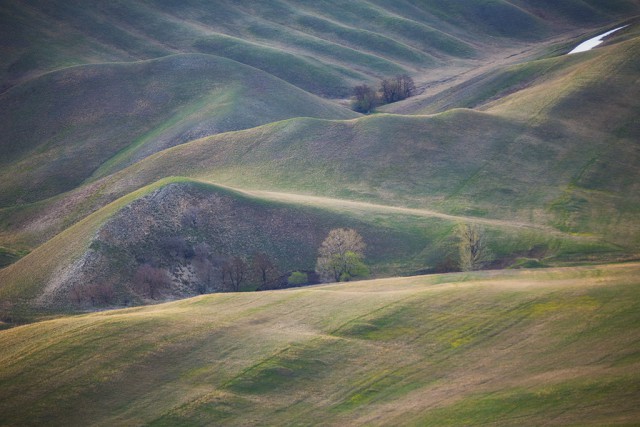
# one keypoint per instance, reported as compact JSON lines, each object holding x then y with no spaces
{"x":394,"y":89}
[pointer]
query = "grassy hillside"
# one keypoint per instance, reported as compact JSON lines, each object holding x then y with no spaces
{"x":335,"y":43}
{"x":534,"y":347}
{"x":460,"y":162}
{"x":83,"y":123}
{"x":63,"y":127}
{"x":94,"y":263}
{"x":543,"y":151}
{"x":145,"y":146}
{"x":537,"y":155}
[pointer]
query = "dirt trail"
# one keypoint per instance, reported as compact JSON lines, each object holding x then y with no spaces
{"x":342,"y":204}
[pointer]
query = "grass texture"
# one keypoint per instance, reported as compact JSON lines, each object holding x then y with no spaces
{"x":554,"y":346}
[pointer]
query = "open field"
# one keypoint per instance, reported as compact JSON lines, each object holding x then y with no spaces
{"x":556,"y":346}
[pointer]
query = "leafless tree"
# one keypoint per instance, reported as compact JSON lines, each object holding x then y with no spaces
{"x":151,"y":280}
{"x":234,"y":273}
{"x":263,"y":268}
{"x":204,"y":268}
{"x":397,"y":88}
{"x":472,"y":247}
{"x":365,"y":99}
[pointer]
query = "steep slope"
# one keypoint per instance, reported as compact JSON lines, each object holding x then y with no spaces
{"x":533,"y":347}
{"x":65,"y":126}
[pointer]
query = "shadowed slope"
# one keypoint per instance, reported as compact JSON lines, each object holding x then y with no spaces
{"x":462,"y":162}
{"x":335,"y":42}
{"x":555,"y":346}
{"x":60,"y":128}
{"x":94,"y":262}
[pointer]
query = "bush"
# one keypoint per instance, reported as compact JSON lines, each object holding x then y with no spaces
{"x":298,"y":278}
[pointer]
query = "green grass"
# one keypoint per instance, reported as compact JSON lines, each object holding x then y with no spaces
{"x":539,"y":346}
{"x":357,"y":36}
{"x":288,"y":228}
{"x":63,"y":126}
{"x":462,"y":162}
{"x":531,"y":158}
{"x":305,"y":72}
{"x":481,"y":165}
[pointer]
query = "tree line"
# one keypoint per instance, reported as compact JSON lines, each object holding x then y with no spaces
{"x":366,"y":98}
{"x":341,"y":258}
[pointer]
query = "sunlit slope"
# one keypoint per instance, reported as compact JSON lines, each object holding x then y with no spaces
{"x":554,"y":346}
{"x":335,"y":43}
{"x":550,"y":77}
{"x":407,"y":160}
{"x":584,"y":104}
{"x":63,"y":127}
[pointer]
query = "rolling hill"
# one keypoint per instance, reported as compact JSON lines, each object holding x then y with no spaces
{"x":66,"y":126}
{"x":94,"y":263}
{"x":555,"y":346}
{"x":146,"y":147}
{"x":323,"y":46}
{"x":532,"y":156}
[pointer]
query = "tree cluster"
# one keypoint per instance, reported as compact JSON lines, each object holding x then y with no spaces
{"x":150,"y":281}
{"x":94,"y":294}
{"x":393,"y":89}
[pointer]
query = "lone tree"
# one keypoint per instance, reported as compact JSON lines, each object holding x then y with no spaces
{"x":341,"y":256}
{"x":365,"y":99}
{"x":472,"y":247}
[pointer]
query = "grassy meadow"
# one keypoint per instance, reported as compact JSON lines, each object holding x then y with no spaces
{"x":66,"y":126}
{"x":554,"y":347}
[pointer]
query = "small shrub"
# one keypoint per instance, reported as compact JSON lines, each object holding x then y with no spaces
{"x":298,"y":278}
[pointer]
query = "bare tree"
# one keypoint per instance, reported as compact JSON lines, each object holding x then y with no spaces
{"x":176,"y":247}
{"x":472,"y":247}
{"x":150,"y":280}
{"x":235,"y":270}
{"x":263,"y":268}
{"x":341,"y":256}
{"x":365,"y":99}
{"x":397,"y":88}
{"x":204,"y":268}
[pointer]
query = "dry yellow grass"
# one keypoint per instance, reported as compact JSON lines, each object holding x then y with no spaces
{"x":557,"y":346}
